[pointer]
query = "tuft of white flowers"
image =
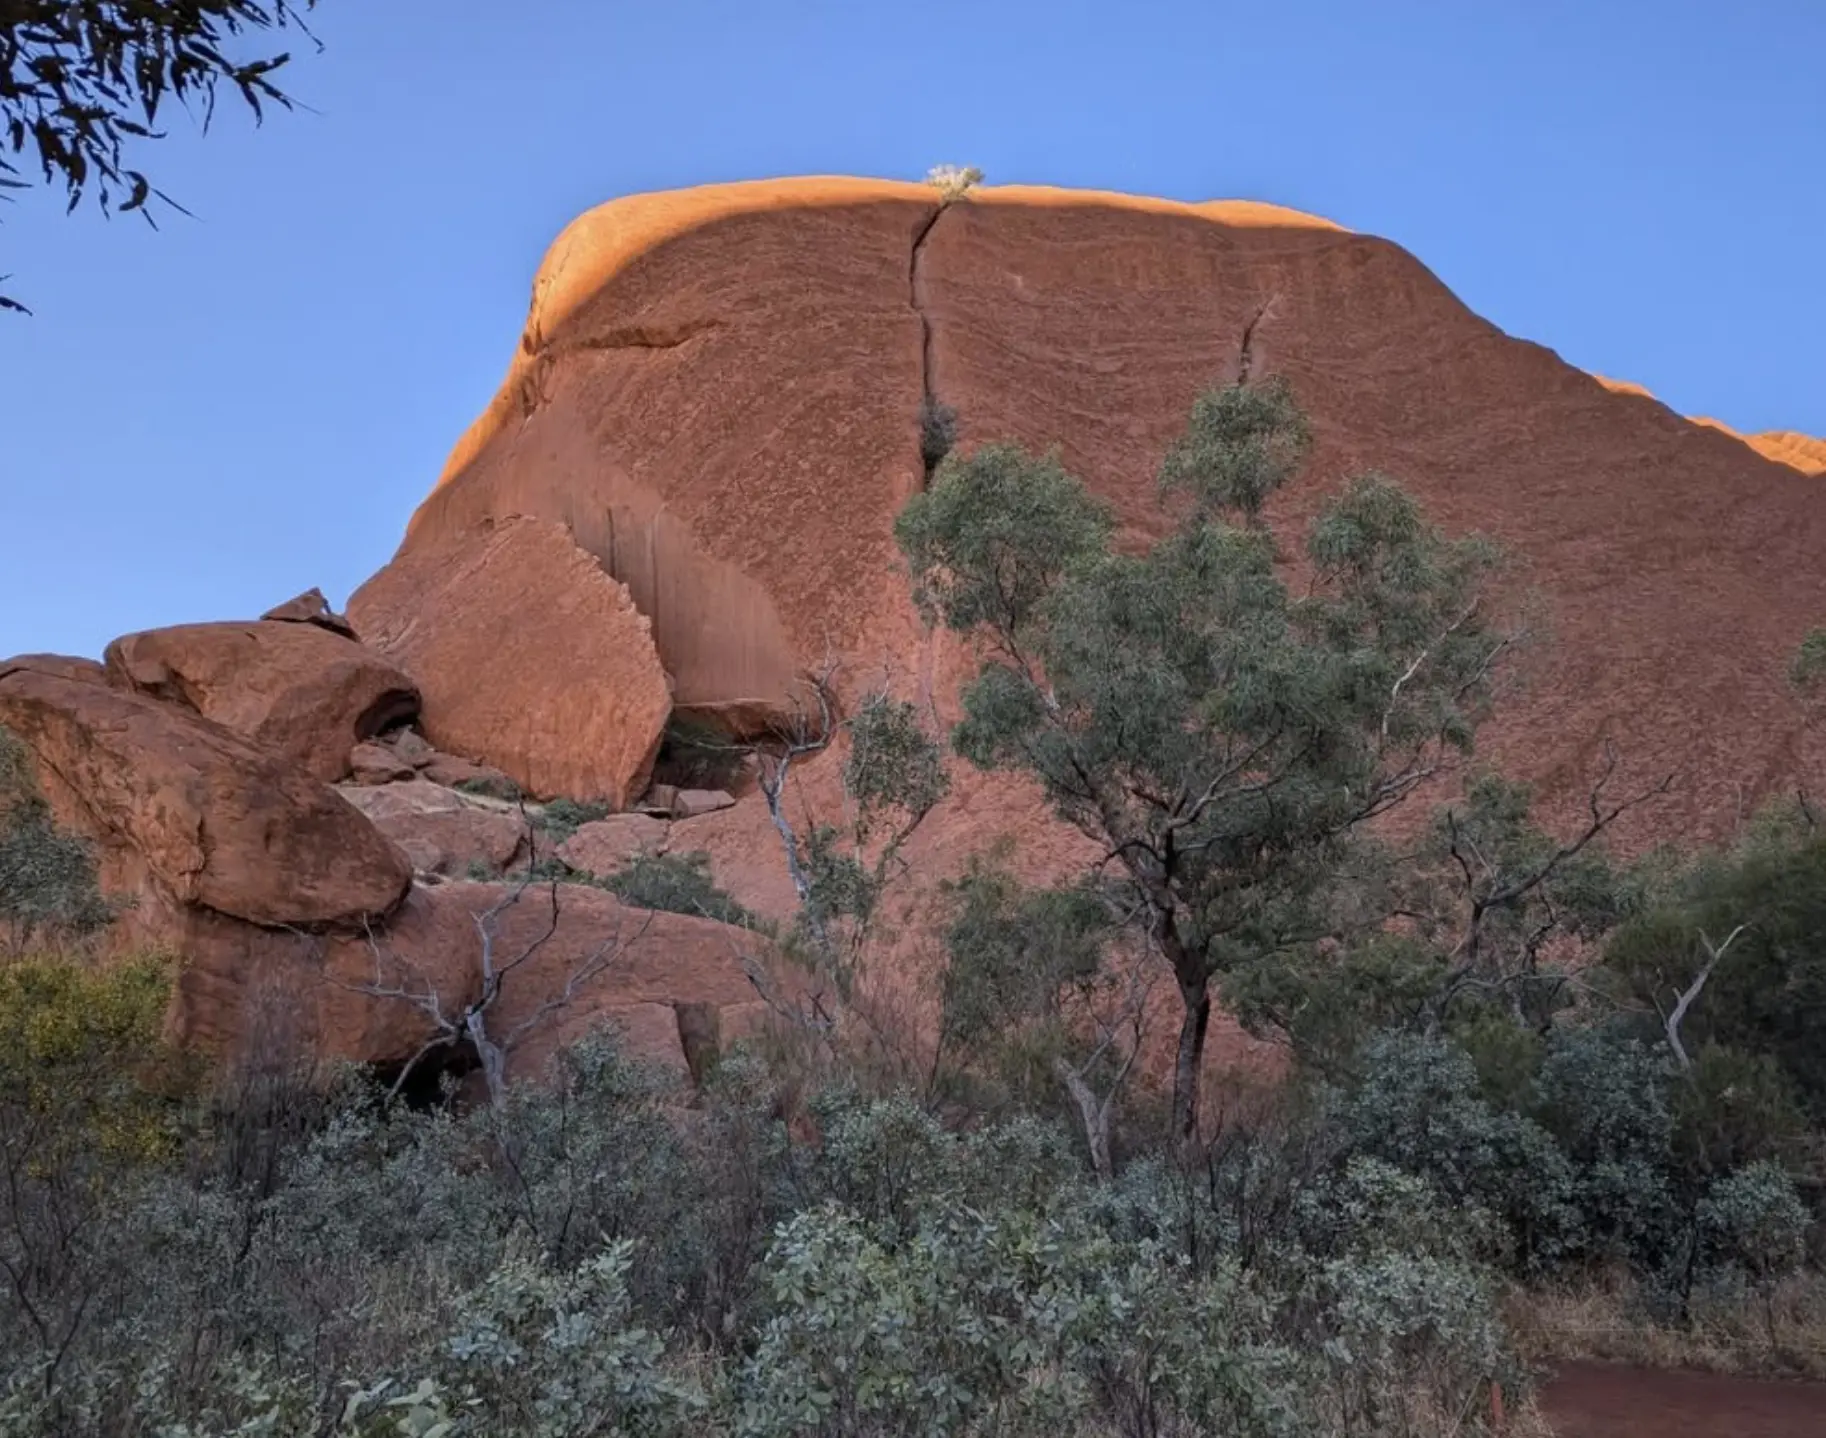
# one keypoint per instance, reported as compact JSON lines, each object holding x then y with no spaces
{"x":953,"y":180}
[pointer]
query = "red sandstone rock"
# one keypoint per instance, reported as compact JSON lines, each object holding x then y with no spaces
{"x":718,"y":391}
{"x":297,"y":689}
{"x":311,"y":608}
{"x":530,"y":658}
{"x":184,"y":809}
{"x":644,"y":963}
{"x":608,"y":845}
{"x":442,"y":831}
{"x":690,"y":803}
{"x":378,"y":764}
{"x":65,"y":666}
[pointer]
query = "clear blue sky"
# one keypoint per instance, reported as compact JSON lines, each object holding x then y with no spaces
{"x":202,"y":421}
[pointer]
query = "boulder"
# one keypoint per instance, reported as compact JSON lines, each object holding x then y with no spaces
{"x":185,"y":810}
{"x":311,"y":608}
{"x":529,"y":656}
{"x":608,"y":845}
{"x":64,"y":666}
{"x":378,"y":764}
{"x":410,"y":745}
{"x":442,"y":831}
{"x":298,"y":689}
{"x":689,"y":803}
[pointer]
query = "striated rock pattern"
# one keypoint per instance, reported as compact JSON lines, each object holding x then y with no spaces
{"x":530,"y":658}
{"x":718,"y":392}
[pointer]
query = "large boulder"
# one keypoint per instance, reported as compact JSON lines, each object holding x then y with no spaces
{"x":718,"y":392}
{"x":304,"y":691}
{"x":187,"y":813}
{"x":442,"y":831}
{"x":311,"y":608}
{"x":530,"y":658}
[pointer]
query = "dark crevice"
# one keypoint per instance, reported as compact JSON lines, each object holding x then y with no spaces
{"x":1245,"y":363}
{"x":937,"y":420}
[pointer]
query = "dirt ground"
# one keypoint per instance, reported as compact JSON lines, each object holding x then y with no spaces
{"x":1592,"y":1400}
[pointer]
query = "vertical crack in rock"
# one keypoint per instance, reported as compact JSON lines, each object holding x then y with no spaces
{"x":937,"y":421}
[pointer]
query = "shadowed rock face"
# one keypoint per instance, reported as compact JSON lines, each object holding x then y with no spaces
{"x":718,"y":392}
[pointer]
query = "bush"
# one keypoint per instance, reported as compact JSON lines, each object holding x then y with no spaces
{"x":48,"y":889}
{"x":678,"y":884}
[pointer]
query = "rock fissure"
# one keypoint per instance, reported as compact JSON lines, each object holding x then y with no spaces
{"x":934,"y":418}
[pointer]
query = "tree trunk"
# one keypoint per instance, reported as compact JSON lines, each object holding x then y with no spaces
{"x":1095,"y":1115}
{"x":1188,"y":1067}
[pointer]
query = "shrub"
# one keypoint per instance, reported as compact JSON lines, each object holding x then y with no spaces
{"x":678,"y":884}
{"x":48,"y":889}
{"x":953,"y":181}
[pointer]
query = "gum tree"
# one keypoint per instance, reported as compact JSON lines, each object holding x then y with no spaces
{"x":1218,"y":728}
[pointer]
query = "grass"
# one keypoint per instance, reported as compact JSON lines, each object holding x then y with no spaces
{"x":1607,"y":1322}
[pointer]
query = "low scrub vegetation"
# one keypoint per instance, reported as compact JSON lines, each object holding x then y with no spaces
{"x":1536,"y":1101}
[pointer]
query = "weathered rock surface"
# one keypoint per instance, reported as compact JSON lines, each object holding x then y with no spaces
{"x":691,"y":803}
{"x":643,"y":964}
{"x":607,"y":845}
{"x":299,"y":690}
{"x":531,"y":659}
{"x":65,"y":666}
{"x":311,"y":608}
{"x":442,"y":831}
{"x":184,"y":809}
{"x":718,"y":392}
{"x":378,"y":764}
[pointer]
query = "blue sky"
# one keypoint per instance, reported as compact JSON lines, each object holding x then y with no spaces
{"x":202,"y":421}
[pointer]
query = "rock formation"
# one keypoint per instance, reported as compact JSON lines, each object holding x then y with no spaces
{"x":530,"y":658}
{"x":682,"y":500}
{"x":718,"y":392}
{"x":300,"y":690}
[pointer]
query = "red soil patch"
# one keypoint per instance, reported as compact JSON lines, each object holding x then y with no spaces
{"x":1595,"y":1400}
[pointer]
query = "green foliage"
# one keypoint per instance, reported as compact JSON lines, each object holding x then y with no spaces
{"x":937,"y":432}
{"x":678,"y":884}
{"x":1011,"y":950}
{"x":1219,"y":736}
{"x":492,"y":787}
{"x":893,"y":771}
{"x":559,"y":819}
{"x":952,"y":181}
{"x":1754,"y":1220}
{"x":992,"y":537}
{"x":1766,"y":995}
{"x":48,"y":888}
{"x":1242,"y":443}
{"x":1809,"y":665}
{"x":87,"y":78}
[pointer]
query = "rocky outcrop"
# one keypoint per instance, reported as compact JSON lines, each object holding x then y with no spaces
{"x":718,"y":393}
{"x":530,"y":658}
{"x":311,"y":608}
{"x":442,"y":831}
{"x":299,"y":690}
{"x":185,"y":812}
{"x":64,"y":666}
